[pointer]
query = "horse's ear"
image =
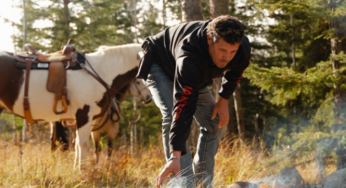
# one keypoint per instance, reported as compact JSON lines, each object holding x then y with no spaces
{"x":69,"y":41}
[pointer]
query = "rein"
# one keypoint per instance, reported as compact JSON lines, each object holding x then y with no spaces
{"x":115,"y":108}
{"x":100,"y":80}
{"x":110,"y":111}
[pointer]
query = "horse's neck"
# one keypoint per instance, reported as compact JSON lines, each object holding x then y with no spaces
{"x":123,"y":93}
{"x":108,"y":65}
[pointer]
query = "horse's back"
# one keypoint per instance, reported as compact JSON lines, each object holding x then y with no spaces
{"x":11,"y":80}
{"x":81,"y":88}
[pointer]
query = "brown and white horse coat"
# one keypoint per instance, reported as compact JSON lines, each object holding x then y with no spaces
{"x":136,"y":89}
{"x":109,"y":122}
{"x":87,"y":96}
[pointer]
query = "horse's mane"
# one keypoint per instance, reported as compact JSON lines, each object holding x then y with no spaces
{"x":123,"y":53}
{"x":132,"y":48}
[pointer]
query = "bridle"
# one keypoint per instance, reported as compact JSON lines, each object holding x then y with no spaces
{"x":140,"y":92}
{"x":115,"y":109}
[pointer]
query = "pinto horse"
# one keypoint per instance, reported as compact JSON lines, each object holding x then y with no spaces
{"x":109,"y":122}
{"x":88,"y":98}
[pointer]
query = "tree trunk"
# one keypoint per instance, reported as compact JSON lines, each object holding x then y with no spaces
{"x":218,"y":7}
{"x":192,"y":11}
{"x":256,"y":138}
{"x":239,"y":112}
{"x":164,"y":15}
{"x":25,"y":31}
{"x":66,"y":19}
{"x":293,"y":48}
{"x":232,"y":125}
{"x":133,"y":133}
{"x":335,"y":24}
{"x":133,"y":12}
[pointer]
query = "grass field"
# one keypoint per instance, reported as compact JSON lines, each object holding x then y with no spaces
{"x":32,"y":164}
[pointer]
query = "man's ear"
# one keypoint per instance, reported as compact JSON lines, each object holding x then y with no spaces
{"x":209,"y":38}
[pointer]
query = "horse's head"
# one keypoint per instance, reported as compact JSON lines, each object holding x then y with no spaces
{"x":139,"y":89}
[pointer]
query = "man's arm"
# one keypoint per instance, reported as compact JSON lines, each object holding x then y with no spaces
{"x":221,"y":108}
{"x":185,"y":96}
{"x":172,"y":167}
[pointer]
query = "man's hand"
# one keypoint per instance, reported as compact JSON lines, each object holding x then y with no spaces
{"x":221,"y":108}
{"x":172,"y":167}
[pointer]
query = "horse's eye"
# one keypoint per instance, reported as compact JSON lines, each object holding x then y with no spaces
{"x":138,"y":82}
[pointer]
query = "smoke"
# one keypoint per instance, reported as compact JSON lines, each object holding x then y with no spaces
{"x":336,"y":180}
{"x":177,"y":182}
{"x":180,"y":180}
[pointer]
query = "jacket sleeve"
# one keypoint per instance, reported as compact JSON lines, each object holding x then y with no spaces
{"x":186,"y":83}
{"x":232,"y":77}
{"x":231,"y":80}
{"x":147,"y":60}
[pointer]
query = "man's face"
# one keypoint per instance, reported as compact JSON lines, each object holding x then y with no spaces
{"x":221,"y":52}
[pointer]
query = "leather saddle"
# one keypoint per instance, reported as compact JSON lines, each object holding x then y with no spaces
{"x":56,"y":63}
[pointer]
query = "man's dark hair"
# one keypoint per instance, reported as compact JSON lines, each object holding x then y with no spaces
{"x":229,"y":28}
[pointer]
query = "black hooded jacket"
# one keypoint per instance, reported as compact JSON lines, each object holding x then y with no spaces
{"x":182,"y":51}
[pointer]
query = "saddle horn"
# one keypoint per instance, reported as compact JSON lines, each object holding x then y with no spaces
{"x":30,"y":49}
{"x":68,"y":48}
{"x":69,"y":41}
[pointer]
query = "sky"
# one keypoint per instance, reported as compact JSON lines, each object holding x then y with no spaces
{"x":9,"y":10}
{"x":6,"y":30}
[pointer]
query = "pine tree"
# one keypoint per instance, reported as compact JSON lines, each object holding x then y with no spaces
{"x":299,"y":76}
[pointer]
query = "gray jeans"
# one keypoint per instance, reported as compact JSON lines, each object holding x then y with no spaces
{"x":161,"y":88}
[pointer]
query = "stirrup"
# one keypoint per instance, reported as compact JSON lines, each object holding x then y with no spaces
{"x":64,"y":104}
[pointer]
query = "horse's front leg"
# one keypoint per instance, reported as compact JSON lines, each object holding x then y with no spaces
{"x":77,"y":153}
{"x":82,"y":146}
{"x":96,"y":139}
{"x":52,"y":135}
{"x":83,"y":131}
{"x":112,"y":132}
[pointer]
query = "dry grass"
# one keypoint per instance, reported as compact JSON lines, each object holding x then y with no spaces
{"x":32,"y":164}
{"x":237,"y":161}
